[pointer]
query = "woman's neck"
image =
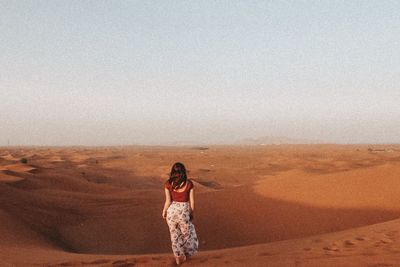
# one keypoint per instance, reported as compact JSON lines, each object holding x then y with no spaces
{"x":181,"y":187}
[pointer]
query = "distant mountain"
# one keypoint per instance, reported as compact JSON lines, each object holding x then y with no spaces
{"x":277,"y":140}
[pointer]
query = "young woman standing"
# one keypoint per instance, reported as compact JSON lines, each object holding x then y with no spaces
{"x":178,"y":211}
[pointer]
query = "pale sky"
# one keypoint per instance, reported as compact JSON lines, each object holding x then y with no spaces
{"x":162,"y":72}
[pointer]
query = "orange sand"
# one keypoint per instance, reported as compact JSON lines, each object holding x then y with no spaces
{"x":291,"y":205}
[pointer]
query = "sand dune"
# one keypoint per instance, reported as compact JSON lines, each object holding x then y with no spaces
{"x":8,"y":178}
{"x":300,"y":205}
{"x":14,"y":172}
{"x":370,"y":187}
{"x":19,"y":167}
{"x":8,"y":157}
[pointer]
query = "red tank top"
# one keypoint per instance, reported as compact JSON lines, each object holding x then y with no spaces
{"x":180,"y":196}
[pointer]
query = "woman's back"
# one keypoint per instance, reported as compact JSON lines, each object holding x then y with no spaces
{"x":182,"y":194}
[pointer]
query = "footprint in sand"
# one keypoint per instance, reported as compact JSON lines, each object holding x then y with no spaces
{"x":349,"y":243}
{"x":386,"y":240}
{"x":65,"y":264}
{"x":392,"y":234}
{"x":383,"y":241}
{"x":332,"y":247}
{"x":360,"y":238}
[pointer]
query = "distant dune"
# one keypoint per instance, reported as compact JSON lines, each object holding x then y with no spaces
{"x":287,"y":205}
{"x":277,"y":140}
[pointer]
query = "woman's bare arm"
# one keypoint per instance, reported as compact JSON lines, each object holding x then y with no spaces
{"x":167,"y":202}
{"x":191,"y":197}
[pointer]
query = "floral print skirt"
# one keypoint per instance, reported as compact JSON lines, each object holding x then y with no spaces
{"x":183,"y":234}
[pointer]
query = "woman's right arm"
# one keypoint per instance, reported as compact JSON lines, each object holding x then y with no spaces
{"x":167,"y":202}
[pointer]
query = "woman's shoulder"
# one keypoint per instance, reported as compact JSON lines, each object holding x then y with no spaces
{"x":190,"y":184}
{"x":167,"y":185}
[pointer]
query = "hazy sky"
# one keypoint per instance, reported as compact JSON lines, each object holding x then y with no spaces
{"x":158,"y":72}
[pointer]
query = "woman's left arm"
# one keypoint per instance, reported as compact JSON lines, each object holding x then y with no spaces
{"x":191,"y":197}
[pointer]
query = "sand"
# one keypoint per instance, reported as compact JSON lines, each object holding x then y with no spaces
{"x":288,"y":205}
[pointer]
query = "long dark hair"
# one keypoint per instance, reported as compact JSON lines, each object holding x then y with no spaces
{"x":177,"y":177}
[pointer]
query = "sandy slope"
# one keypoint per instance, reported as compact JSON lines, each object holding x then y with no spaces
{"x":375,"y":245}
{"x":334,"y":206}
{"x":370,"y":187}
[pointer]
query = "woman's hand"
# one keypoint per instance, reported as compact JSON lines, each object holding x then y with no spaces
{"x":164,"y":213}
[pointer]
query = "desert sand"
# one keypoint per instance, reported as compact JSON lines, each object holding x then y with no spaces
{"x":286,"y":205}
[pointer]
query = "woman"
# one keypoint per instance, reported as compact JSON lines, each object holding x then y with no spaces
{"x":178,"y":211}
